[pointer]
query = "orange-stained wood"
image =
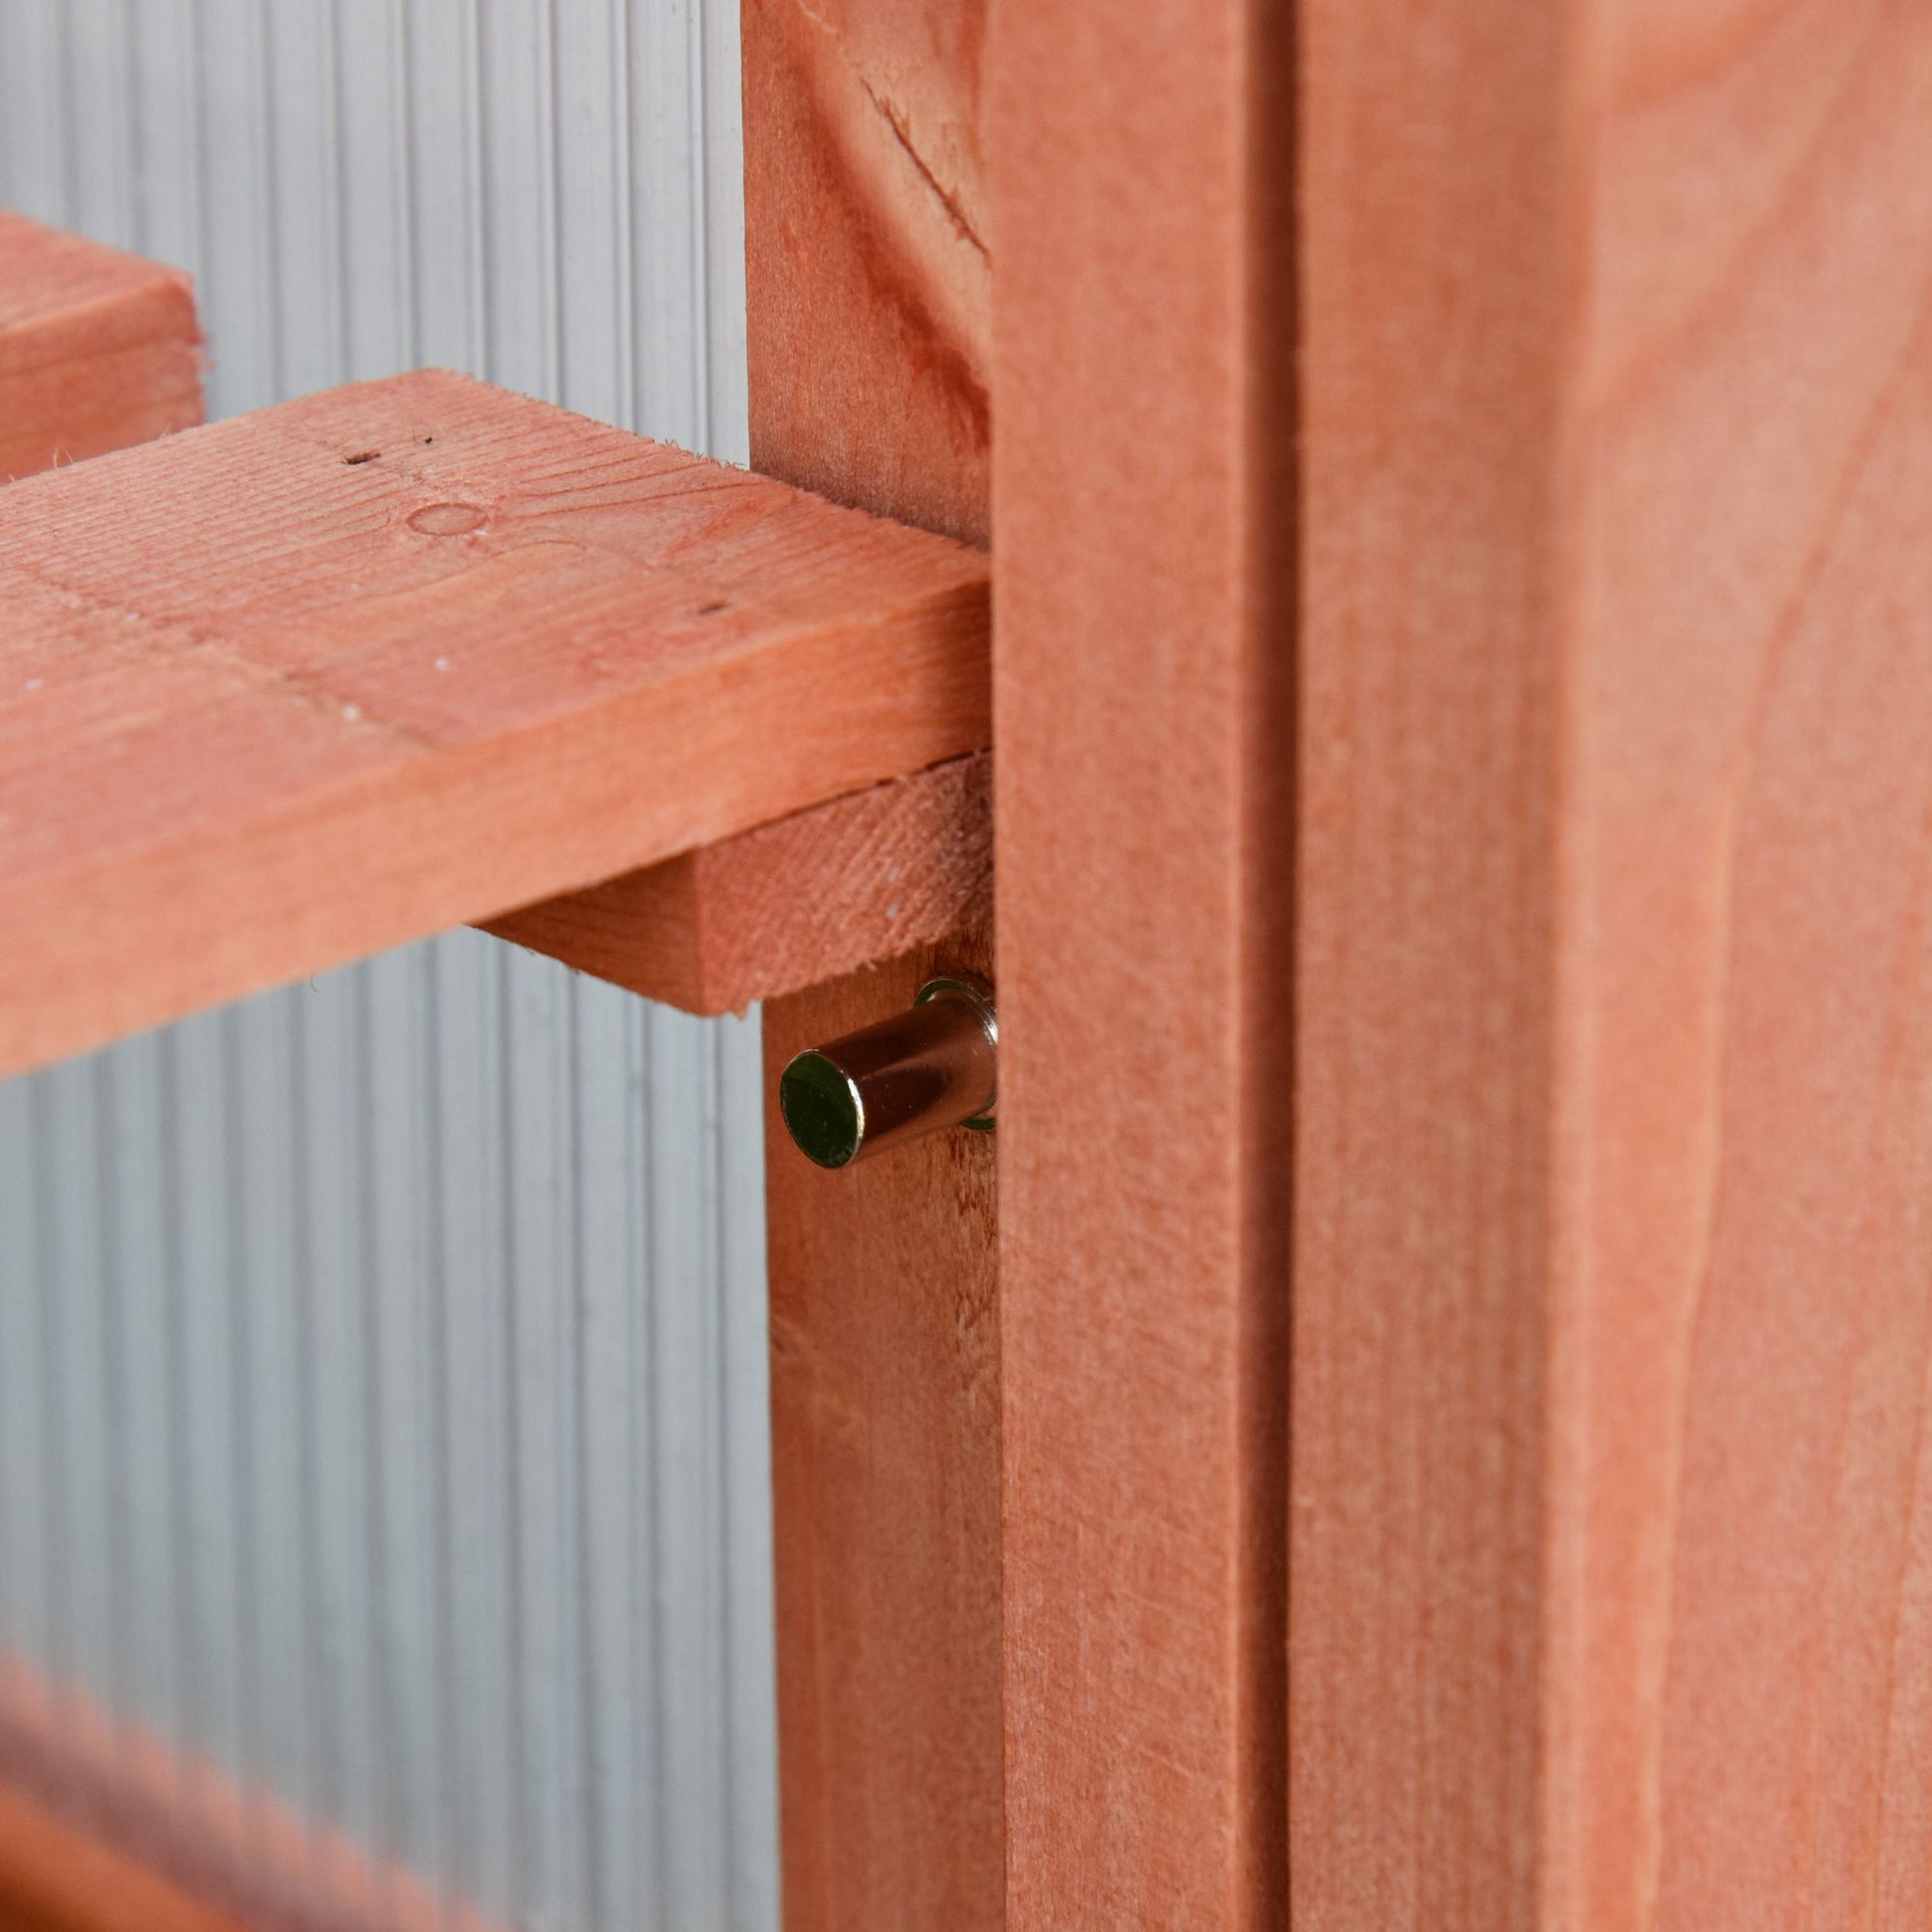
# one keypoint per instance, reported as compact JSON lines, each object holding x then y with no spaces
{"x":315,"y":681}
{"x":804,"y":900}
{"x":56,"y":1877}
{"x":1143,"y":549}
{"x":1433,"y":500}
{"x":98,"y":350}
{"x":866,"y":276}
{"x":105,"y":1828}
{"x":1612,"y":1454}
{"x":869,"y":274}
{"x":885,"y":1428}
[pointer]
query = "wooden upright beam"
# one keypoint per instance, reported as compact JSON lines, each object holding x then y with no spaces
{"x":1613,"y":1524}
{"x":98,"y":350}
{"x":316,"y":681}
{"x":868,"y":250}
{"x":1143,"y":552}
{"x":867,"y":280}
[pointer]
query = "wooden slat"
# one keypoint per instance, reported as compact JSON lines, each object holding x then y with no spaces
{"x":98,"y":350}
{"x":885,"y":1428}
{"x":1143,"y":561}
{"x":806,"y":899}
{"x":1612,"y":1546}
{"x":870,"y":279}
{"x":871,"y":305}
{"x":315,"y":681}
{"x":56,"y":1877}
{"x":868,"y":374}
{"x":104,"y":1827}
{"x":1427,"y":956}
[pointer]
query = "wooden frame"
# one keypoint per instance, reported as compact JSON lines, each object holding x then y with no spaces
{"x":294,"y":687}
{"x":1461,"y":536}
{"x":898,"y":865}
{"x":364,"y":479}
{"x":1608,"y":1558}
{"x":1144,"y":586}
{"x":98,"y":350}
{"x":869,"y":349}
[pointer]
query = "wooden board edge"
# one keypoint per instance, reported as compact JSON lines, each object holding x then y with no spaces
{"x":805,"y":899}
{"x":56,"y":1877}
{"x":1145,"y":557}
{"x":109,"y":358}
{"x":106,"y":1827}
{"x":310,"y":788}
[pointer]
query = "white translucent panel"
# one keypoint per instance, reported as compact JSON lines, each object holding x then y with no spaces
{"x":382,"y":1398}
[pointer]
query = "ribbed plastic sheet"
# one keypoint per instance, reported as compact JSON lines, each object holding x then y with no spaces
{"x":382,"y":1398}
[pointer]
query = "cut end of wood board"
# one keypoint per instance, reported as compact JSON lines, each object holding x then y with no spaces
{"x":98,"y":349}
{"x":807,"y":898}
{"x":311,"y":682}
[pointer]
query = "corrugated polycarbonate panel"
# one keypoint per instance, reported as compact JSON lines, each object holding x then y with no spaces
{"x":382,"y":1389}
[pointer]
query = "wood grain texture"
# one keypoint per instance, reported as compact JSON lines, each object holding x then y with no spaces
{"x":868,"y":271}
{"x":885,"y":1424}
{"x":809,"y":898}
{"x":867,"y":380}
{"x":97,"y":348}
{"x":1611,"y":1559}
{"x":311,"y":682}
{"x":1143,"y":550}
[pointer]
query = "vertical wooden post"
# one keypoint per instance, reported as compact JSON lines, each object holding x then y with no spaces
{"x":867,"y":287}
{"x":1143,"y":676}
{"x":1438,"y":260}
{"x":1611,"y":1562}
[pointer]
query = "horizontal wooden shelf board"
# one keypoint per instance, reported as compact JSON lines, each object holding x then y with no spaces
{"x":322,"y":679}
{"x":97,"y":348}
{"x":805,"y":899}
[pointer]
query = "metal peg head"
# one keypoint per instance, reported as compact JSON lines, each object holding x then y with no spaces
{"x":930,"y":1067}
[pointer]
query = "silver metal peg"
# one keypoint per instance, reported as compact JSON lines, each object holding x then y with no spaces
{"x":931,"y":1067}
